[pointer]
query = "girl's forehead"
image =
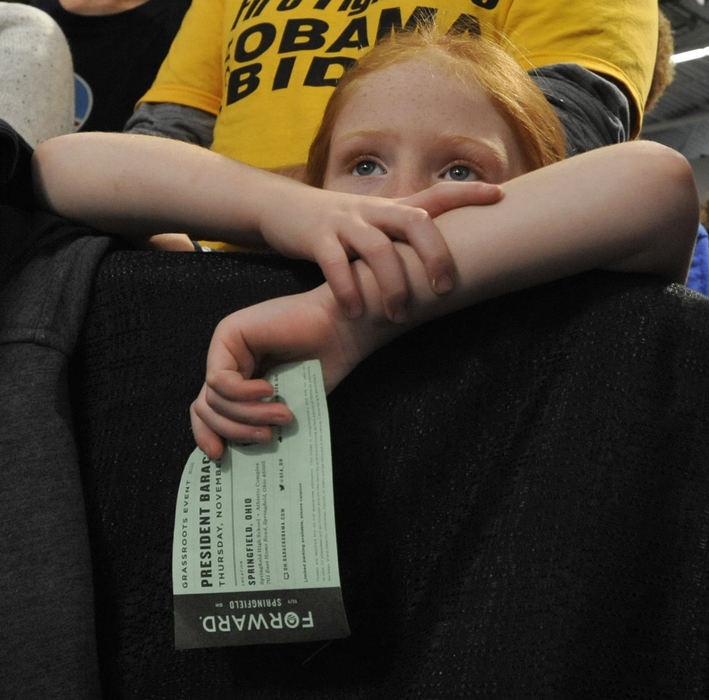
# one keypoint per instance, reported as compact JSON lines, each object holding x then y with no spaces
{"x":418,"y":73}
{"x":423,"y":102}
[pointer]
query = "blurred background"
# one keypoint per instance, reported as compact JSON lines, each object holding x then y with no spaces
{"x":680,"y":118}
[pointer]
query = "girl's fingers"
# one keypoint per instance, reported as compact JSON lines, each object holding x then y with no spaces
{"x":373,"y":245}
{"x":243,"y":411}
{"x":444,"y":196}
{"x":430,"y":246}
{"x":207,"y":440}
{"x":209,"y":427}
{"x":231,"y":386}
{"x":335,"y":264}
{"x":230,"y":362}
{"x":415,"y":227}
{"x":388,"y":270}
{"x":423,"y":234}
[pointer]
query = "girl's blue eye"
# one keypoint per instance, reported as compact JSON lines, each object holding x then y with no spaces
{"x":459,"y":172}
{"x":367,"y":167}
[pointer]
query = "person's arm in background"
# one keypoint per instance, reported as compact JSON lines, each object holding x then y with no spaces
{"x":173,"y":121}
{"x":615,"y":41}
{"x":629,"y":207}
{"x":184,"y":99}
{"x":593,"y":110}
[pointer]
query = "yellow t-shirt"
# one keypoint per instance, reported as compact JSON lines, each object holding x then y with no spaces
{"x":266,"y":68}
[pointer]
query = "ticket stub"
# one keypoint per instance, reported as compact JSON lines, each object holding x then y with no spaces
{"x":254,"y":549}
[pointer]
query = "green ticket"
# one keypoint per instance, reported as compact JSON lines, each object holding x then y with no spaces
{"x":254,"y":549}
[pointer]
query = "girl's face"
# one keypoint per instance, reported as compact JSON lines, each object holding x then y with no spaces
{"x":413,"y":124}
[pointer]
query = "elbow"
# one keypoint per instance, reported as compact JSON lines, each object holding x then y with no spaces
{"x":684,"y":227}
{"x":676,"y":180}
{"x":676,"y":191}
{"x":48,"y":176}
{"x":680,"y":177}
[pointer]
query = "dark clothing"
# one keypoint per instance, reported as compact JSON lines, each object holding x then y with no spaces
{"x":593,"y":110}
{"x":521,"y":488}
{"x":117,"y":56}
{"x":46,"y":588}
{"x":24,"y":230}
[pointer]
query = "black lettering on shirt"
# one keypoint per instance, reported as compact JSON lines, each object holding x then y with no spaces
{"x":242,"y":82}
{"x":354,"y":36}
{"x":255,"y":8}
{"x":318,"y":72}
{"x":466,"y":23}
{"x":265,"y":35}
{"x":355,"y":7}
{"x":283,"y":72}
{"x":390,"y":20}
{"x":309,"y":34}
{"x":285,"y":5}
{"x":303,"y":35}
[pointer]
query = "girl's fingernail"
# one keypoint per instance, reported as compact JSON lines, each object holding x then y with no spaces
{"x":443,"y":284}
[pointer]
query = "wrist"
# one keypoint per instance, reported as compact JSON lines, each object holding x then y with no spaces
{"x":279,"y":209}
{"x":373,"y":328}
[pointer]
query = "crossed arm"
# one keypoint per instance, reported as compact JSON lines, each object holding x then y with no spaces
{"x":630,"y":207}
{"x":139,"y":186}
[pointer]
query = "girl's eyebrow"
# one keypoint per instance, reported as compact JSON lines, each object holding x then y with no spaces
{"x":444,"y":139}
{"x":476,"y":142}
{"x":366,"y":133}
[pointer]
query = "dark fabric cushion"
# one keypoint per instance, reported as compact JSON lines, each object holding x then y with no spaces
{"x":24,"y":229}
{"x":521,"y":490}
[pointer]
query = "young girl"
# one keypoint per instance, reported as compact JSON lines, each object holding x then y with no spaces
{"x":420,"y":109}
{"x":139,"y":186}
{"x":415,"y":115}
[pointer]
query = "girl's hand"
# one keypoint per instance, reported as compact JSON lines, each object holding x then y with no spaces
{"x":174,"y":242}
{"x":232,"y":404}
{"x":333,"y":228}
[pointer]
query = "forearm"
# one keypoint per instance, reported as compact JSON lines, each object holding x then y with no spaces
{"x":138,"y":186}
{"x":629,"y":208}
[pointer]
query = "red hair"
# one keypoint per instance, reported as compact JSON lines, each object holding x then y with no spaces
{"x":475,"y":61}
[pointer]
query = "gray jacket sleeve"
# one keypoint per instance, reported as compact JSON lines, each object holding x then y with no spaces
{"x":593,"y":110}
{"x":173,"y":121}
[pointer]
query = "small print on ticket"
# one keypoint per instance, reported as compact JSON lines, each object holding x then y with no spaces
{"x":254,"y":557}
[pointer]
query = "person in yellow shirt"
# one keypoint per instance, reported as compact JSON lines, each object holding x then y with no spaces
{"x":250,"y":78}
